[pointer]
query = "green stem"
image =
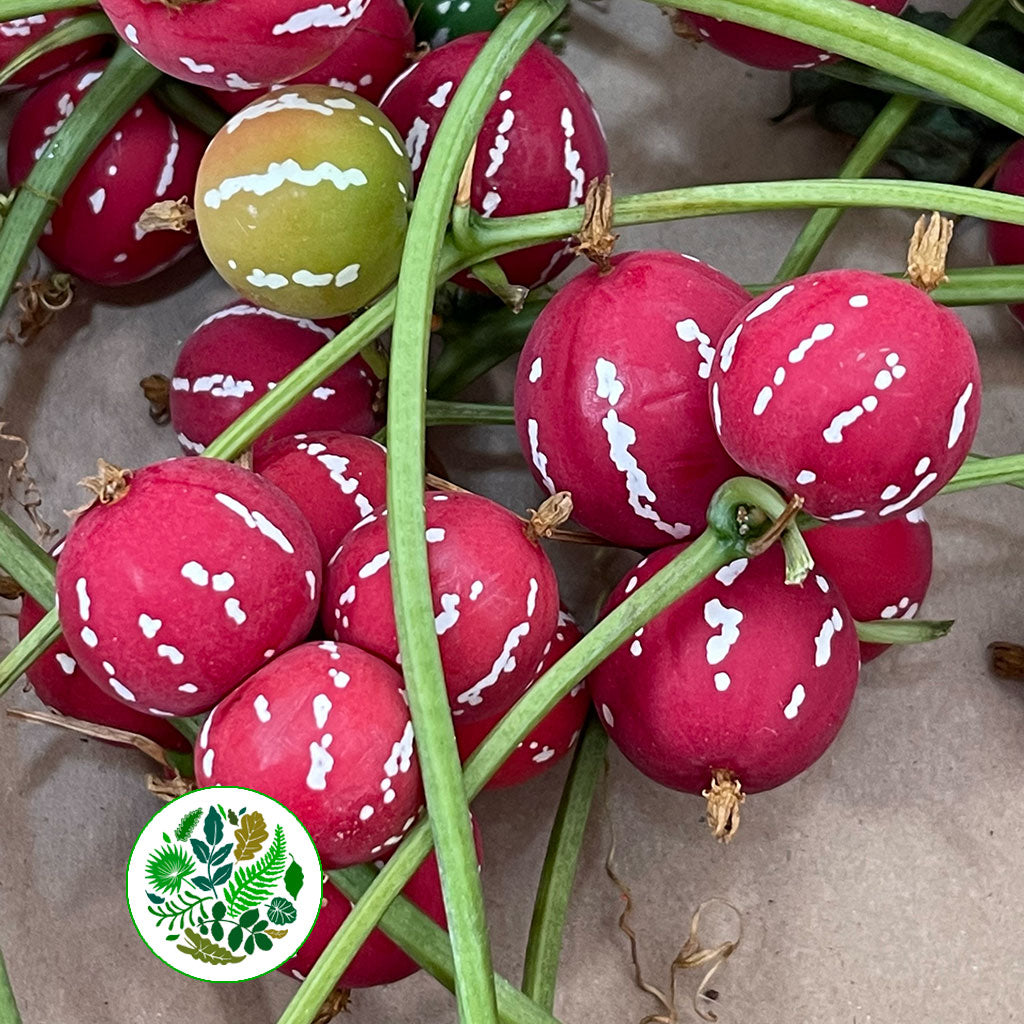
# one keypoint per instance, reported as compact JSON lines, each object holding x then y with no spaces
{"x":880,"y":81}
{"x":126,"y":78}
{"x":83,"y":26}
{"x":980,"y":472}
{"x":902,"y":631}
{"x":8,"y":1007}
{"x":31,"y":567}
{"x":456,"y":413}
{"x":11,"y":9}
{"x":544,"y":947}
{"x":429,"y":945}
{"x":187,"y":102}
{"x":975,"y":458}
{"x":496,"y":235}
{"x":490,"y":274}
{"x":188,"y":727}
{"x":890,"y":44}
{"x":40,"y":637}
{"x":872,"y":146}
{"x":413,"y":601}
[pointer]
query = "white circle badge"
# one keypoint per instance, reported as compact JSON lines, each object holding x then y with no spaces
{"x":224,"y":884}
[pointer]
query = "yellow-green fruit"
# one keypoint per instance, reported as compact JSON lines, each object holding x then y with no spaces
{"x":302,"y":199}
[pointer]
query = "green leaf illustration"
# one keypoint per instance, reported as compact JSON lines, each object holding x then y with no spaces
{"x":167,"y":868}
{"x":213,"y":827}
{"x":251,"y":836}
{"x":249,"y":918}
{"x":175,"y":912}
{"x":201,"y":850}
{"x":281,"y":911}
{"x":250,"y":945}
{"x":217,"y":931}
{"x":218,"y":910}
{"x":221,"y":854}
{"x":293,"y":879}
{"x":207,"y":951}
{"x":201,"y":883}
{"x":222,"y":874}
{"x":254,"y":883}
{"x":153,"y":898}
{"x":232,"y":817}
{"x":277,"y":933}
{"x":235,"y":937}
{"x":167,"y":838}
{"x":259,"y":926}
{"x":263,"y":941}
{"x":188,"y":824}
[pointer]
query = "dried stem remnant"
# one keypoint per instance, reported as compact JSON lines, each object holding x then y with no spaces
{"x":595,"y":239}
{"x":18,"y":485}
{"x":157,"y":389}
{"x":109,"y":485}
{"x":38,"y":302}
{"x":926,"y":257}
{"x":1007,"y":660}
{"x":337,"y":1002}
{"x":552,"y":513}
{"x":724,"y":799}
{"x":168,"y":215}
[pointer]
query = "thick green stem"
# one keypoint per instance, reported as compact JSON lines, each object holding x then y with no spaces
{"x":84,"y":26}
{"x":31,"y":567}
{"x":440,"y":765}
{"x":8,"y":1007}
{"x":982,"y":472}
{"x":902,"y":631}
{"x":11,"y":9}
{"x":125,"y":79}
{"x":890,"y":44}
{"x":544,"y":947}
{"x":496,"y":235}
{"x":872,"y":146}
{"x":430,"y":947}
{"x":38,"y":640}
{"x":187,"y":102}
{"x":456,"y":413}
{"x":188,"y":727}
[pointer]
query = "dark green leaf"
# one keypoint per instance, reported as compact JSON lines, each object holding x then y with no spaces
{"x":213,"y":827}
{"x":249,"y":918}
{"x":281,"y":911}
{"x":222,"y":874}
{"x":201,"y":850}
{"x":263,"y":941}
{"x":217,"y":931}
{"x":187,"y":824}
{"x":218,"y":910}
{"x":259,"y":926}
{"x":232,"y":817}
{"x":250,"y":944}
{"x":221,"y":854}
{"x":167,"y":838}
{"x":171,"y":938}
{"x":201,"y":883}
{"x":293,"y":879}
{"x":235,"y":938}
{"x":153,"y":898}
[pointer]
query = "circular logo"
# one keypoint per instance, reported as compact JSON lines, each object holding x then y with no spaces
{"x":224,"y":884}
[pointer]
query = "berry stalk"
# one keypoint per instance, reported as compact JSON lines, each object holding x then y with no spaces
{"x":84,"y":26}
{"x":8,"y":1007}
{"x":11,"y":9}
{"x":31,"y":567}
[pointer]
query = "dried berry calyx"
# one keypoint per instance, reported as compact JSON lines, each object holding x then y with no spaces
{"x":552,"y":513}
{"x":724,"y":799}
{"x":167,"y":215}
{"x":926,"y":257}
{"x":595,"y":239}
{"x":110,"y":484}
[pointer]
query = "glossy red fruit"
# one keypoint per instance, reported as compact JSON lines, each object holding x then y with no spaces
{"x":379,"y":961}
{"x":765,"y":49}
{"x":233,"y":44}
{"x":495,"y":599}
{"x":18,"y":34}
{"x":881,"y":569}
{"x":335,"y":479}
{"x":540,"y":145}
{"x":625,"y":426}
{"x":1006,"y":241}
{"x":170,"y":596}
{"x":241,"y":352}
{"x":148,"y":157}
{"x":553,"y":737}
{"x":61,"y":685}
{"x":325,"y":730}
{"x":743,"y":674}
{"x":366,"y":62}
{"x":852,"y":389}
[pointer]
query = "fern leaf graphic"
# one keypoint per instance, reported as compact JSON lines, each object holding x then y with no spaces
{"x":254,"y":883}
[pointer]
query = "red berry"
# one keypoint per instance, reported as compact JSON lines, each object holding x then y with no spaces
{"x":61,"y":685}
{"x":743,"y":674}
{"x":147,"y":157}
{"x":379,"y":961}
{"x":233,"y":44}
{"x":1006,"y":241}
{"x":368,"y":59}
{"x":553,"y":737}
{"x":881,"y":569}
{"x":170,"y":596}
{"x":325,"y":730}
{"x":541,"y":142}
{"x":625,"y":426}
{"x":495,"y":599}
{"x":335,"y":479}
{"x":852,"y":389}
{"x":18,"y":34}
{"x":765,"y":49}
{"x":241,"y":352}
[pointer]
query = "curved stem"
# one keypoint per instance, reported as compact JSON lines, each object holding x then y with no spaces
{"x":45,"y":632}
{"x":979,"y":472}
{"x":126,"y":77}
{"x":902,"y":631}
{"x":428,"y":944}
{"x":187,"y":102}
{"x":544,"y":946}
{"x":872,"y":145}
{"x":31,"y":567}
{"x":890,"y":44}
{"x":413,"y":601}
{"x":83,"y":26}
{"x":11,"y":9}
{"x":8,"y":1007}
